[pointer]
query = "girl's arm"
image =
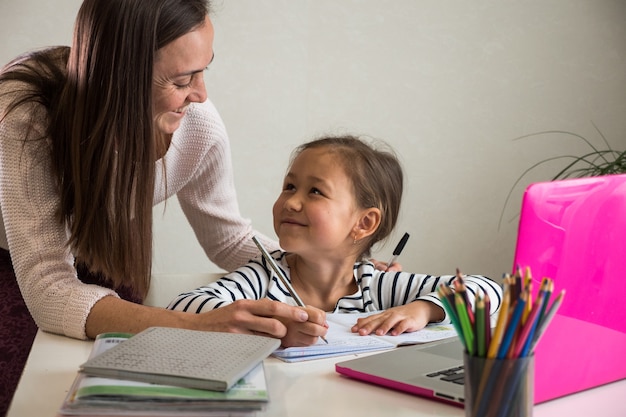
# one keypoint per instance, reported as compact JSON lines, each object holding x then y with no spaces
{"x":411,"y":301}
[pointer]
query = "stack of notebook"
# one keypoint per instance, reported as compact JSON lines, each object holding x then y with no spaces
{"x":165,"y":371}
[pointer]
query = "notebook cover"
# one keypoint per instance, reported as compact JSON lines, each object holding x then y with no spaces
{"x":187,"y":358}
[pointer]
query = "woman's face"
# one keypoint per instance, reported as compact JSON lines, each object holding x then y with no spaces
{"x":178,"y":76}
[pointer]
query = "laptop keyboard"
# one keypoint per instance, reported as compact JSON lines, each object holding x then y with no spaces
{"x":455,"y":375}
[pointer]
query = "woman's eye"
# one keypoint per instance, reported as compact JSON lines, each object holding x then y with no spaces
{"x":184,"y":82}
{"x":183,"y":85}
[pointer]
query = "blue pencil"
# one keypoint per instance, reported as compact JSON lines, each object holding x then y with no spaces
{"x":541,"y":327}
{"x":511,"y":329}
{"x":542,"y":298}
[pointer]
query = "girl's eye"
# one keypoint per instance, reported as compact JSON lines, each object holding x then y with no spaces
{"x":289,"y":187}
{"x":315,"y":191}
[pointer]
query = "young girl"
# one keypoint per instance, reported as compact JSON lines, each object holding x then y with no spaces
{"x":340,"y":196}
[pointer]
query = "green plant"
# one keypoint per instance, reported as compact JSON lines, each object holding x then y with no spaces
{"x":596,"y":162}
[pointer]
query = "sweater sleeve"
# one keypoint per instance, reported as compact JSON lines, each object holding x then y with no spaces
{"x":44,"y":266}
{"x":208,"y":198}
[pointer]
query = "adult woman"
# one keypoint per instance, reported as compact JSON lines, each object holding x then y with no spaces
{"x":81,"y":129}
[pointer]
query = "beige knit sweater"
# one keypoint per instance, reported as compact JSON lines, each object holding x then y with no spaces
{"x":199,"y":172}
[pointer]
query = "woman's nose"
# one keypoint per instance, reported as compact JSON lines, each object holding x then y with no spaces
{"x":198,"y":93}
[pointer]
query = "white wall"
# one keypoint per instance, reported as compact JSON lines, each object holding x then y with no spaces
{"x":449,"y":84}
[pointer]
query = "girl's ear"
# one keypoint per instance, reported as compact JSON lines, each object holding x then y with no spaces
{"x":367,"y":224}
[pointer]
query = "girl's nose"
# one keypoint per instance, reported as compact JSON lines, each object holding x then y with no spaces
{"x":293,"y":202}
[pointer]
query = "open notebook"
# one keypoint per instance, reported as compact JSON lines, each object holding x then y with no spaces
{"x":573,"y":231}
{"x":342,"y":341}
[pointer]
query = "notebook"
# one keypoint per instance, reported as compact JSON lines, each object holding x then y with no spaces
{"x":341,"y":340}
{"x":180,"y":357}
{"x":573,"y":231}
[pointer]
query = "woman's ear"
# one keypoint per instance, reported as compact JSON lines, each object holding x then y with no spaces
{"x":368,"y":223}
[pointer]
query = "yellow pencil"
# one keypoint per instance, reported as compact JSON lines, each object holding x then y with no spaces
{"x":503,"y":315}
{"x":529,"y":285}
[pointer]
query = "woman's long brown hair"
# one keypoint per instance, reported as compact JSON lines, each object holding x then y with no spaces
{"x":104,"y":147}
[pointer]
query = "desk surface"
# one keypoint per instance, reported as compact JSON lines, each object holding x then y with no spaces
{"x":296,"y":389}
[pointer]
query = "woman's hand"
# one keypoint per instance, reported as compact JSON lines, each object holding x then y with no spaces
{"x":402,"y":319}
{"x":295,"y":326}
{"x":263,"y":317}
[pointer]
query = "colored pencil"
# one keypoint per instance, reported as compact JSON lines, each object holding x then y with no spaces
{"x":466,"y":326}
{"x":516,"y":316}
{"x":462,"y":288}
{"x":545,"y":321}
{"x":451,"y":310}
{"x":496,"y":339}
{"x":487,"y":321}
{"x":530,"y":323}
{"x":548,"y":291}
{"x":479,"y":324}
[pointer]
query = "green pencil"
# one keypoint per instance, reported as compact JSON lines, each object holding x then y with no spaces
{"x":461,"y":309}
{"x":480,"y":327}
{"x":451,"y":312}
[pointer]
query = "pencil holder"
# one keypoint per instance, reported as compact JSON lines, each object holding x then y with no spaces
{"x":499,"y":387}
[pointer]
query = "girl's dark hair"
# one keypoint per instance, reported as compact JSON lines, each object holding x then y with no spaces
{"x":104,"y":146}
{"x":376,"y":175}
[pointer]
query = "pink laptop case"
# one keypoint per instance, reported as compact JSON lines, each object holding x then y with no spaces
{"x":574,"y":231}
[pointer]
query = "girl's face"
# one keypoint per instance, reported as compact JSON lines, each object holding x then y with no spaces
{"x":178,"y":76}
{"x":316,"y":211}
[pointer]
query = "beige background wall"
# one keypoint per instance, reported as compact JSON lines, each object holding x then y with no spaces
{"x":449,"y":84}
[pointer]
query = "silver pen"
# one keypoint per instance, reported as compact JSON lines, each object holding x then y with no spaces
{"x":280,"y":275}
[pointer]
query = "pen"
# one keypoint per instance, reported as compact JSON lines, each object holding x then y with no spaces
{"x":280,"y":275}
{"x":398,"y":249}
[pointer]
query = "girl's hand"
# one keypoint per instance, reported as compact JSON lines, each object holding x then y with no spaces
{"x":382,"y":266}
{"x":263,"y":317}
{"x":402,"y":319}
{"x":305,"y":333}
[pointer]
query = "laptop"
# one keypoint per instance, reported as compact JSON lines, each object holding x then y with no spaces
{"x":573,"y":231}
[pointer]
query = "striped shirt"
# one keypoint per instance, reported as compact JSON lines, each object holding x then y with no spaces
{"x":376,"y":290}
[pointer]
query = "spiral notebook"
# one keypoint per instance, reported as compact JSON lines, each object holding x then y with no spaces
{"x":186,"y":358}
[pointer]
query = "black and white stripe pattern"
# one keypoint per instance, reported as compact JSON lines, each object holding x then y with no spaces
{"x":377,"y":290}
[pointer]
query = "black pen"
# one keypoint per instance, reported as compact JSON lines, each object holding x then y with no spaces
{"x":398,"y":249}
{"x":280,"y":275}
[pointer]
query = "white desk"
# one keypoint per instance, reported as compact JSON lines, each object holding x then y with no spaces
{"x":296,"y":389}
